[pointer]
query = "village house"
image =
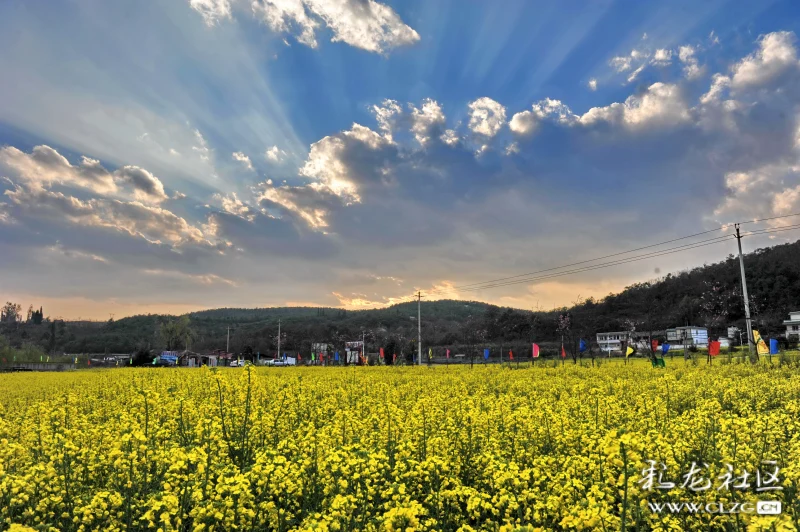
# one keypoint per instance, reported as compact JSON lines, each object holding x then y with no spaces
{"x":793,"y":325}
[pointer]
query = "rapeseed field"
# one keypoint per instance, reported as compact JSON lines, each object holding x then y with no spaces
{"x":384,"y":448}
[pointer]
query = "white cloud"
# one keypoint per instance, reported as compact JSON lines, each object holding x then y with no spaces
{"x":661,"y":104}
{"x":719,"y":83}
{"x":635,"y":74}
{"x":146,"y":186}
{"x":364,"y":24}
{"x":691,"y":68}
{"x":212,"y":10}
{"x":202,"y":146}
{"x":44,"y":166}
{"x":662,"y":57}
{"x":776,"y":54}
{"x":592,"y":84}
{"x":275,"y":154}
{"x":487,"y":116}
{"x":244,"y":159}
{"x":153,"y":224}
{"x":525,"y":122}
{"x":426,"y":121}
{"x":388,"y":113}
{"x":449,"y":137}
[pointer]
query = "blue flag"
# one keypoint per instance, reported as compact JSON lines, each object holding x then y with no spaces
{"x":336,"y":356}
{"x":664,"y":348}
{"x":486,"y":354}
{"x":582,"y":345}
{"x":773,"y":346}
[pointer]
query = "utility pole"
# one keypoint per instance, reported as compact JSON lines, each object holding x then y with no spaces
{"x":419,"y":328}
{"x":279,"y":338}
{"x":228,"y":342}
{"x":744,"y":294}
{"x":364,"y":346}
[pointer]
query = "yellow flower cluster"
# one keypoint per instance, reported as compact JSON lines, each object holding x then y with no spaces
{"x":395,"y":449}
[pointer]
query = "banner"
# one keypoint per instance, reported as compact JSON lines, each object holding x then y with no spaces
{"x":447,"y":354}
{"x":773,"y":346}
{"x":486,"y":354}
{"x":563,"y":353}
{"x":336,"y":356}
{"x":713,"y":348}
{"x":510,"y":354}
{"x":535,"y":351}
{"x":628,"y":351}
{"x":664,"y":348}
{"x":760,"y":343}
{"x":582,"y":345}
{"x":381,"y":353}
{"x":654,"y":345}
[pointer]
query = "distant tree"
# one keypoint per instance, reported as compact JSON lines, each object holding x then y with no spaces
{"x":11,"y":312}
{"x":175,"y":333}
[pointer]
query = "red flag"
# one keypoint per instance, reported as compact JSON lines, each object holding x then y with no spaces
{"x":381,"y":352}
{"x":88,"y":362}
{"x":447,"y":354}
{"x":713,"y":348}
{"x":510,"y":355}
{"x":563,"y":353}
{"x":535,"y":351}
{"x":654,"y":343}
{"x":299,"y":357}
{"x":394,"y":358}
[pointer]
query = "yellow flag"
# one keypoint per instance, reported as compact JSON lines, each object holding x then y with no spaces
{"x":628,"y":352}
{"x":761,"y":345}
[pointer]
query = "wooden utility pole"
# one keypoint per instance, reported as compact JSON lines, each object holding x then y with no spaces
{"x":228,"y":342}
{"x":746,"y":299}
{"x":279,"y":338}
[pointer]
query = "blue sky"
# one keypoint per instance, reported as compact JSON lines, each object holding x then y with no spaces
{"x":348,"y":152}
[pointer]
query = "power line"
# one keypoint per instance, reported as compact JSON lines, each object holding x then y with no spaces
{"x":606,"y":264}
{"x":534,"y":276}
{"x":724,"y":226}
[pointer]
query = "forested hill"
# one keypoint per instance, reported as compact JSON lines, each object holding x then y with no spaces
{"x":708,"y":295}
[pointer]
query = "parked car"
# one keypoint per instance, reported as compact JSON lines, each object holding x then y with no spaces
{"x":276,"y":362}
{"x":237,"y":363}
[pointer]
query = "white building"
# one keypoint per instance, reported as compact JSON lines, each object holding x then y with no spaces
{"x":697,"y":336}
{"x":612,"y":341}
{"x":793,"y":324}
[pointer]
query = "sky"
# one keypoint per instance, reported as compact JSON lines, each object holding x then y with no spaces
{"x":175,"y":155}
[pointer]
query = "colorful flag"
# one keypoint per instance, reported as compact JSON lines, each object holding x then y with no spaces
{"x":486,"y":354}
{"x":394,"y":358}
{"x":563,"y":353}
{"x":773,"y":346}
{"x":447,"y":354}
{"x":664,"y":348}
{"x":628,"y":351}
{"x":510,"y":355}
{"x":299,"y":357}
{"x":713,"y":348}
{"x":430,"y":353}
{"x":760,"y":344}
{"x":582,"y":345}
{"x":336,"y":356}
{"x":654,"y":345}
{"x":535,"y":351}
{"x":381,"y":352}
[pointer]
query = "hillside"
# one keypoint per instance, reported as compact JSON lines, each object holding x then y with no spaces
{"x":708,"y":295}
